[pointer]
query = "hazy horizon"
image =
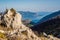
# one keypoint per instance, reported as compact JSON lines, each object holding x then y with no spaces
{"x":30,"y":5}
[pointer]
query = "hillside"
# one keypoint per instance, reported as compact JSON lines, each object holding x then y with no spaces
{"x":12,"y":28}
{"x":50,"y":16}
{"x":50,"y":25}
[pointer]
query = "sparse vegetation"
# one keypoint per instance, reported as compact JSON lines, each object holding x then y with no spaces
{"x":13,"y":10}
{"x":24,"y":32}
{"x":2,"y":35}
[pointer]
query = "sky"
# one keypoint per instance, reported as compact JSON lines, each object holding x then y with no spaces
{"x":30,"y":5}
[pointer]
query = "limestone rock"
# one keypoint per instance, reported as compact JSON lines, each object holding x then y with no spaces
{"x":12,"y":19}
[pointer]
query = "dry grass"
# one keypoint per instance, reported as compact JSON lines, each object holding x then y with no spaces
{"x":24,"y":32}
{"x":43,"y":38}
{"x":2,"y":35}
{"x":5,"y":28}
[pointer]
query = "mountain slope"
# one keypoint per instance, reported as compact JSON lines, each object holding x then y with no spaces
{"x":49,"y":26}
{"x":48,"y":17}
{"x":33,"y":15}
{"x":12,"y":28}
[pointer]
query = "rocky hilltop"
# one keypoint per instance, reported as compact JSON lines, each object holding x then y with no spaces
{"x":12,"y":28}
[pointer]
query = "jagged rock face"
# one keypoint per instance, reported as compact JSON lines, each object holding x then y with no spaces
{"x":12,"y":19}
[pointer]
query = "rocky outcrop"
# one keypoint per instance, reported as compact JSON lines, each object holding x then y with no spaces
{"x":12,"y":20}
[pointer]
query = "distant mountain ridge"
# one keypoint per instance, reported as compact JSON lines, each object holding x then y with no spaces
{"x":48,"y":17}
{"x":27,"y":14}
{"x":34,"y":16}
